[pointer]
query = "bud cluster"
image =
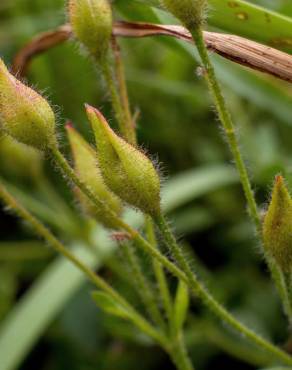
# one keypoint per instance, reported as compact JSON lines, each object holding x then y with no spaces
{"x":117,"y":170}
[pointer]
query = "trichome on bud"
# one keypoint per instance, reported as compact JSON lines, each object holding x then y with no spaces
{"x":24,"y":114}
{"x":277,"y":226}
{"x":126,"y":170}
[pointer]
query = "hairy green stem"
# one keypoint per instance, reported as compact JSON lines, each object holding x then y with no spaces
{"x":190,"y":279}
{"x":123,"y":91}
{"x":158,"y":271}
{"x":142,"y":285}
{"x":229,"y":130}
{"x":45,"y":233}
{"x":125,"y":126}
{"x":282,"y":285}
{"x":227,"y":124}
{"x":196,"y":286}
{"x":179,"y":354}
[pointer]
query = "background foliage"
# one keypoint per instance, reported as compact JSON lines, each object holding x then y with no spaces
{"x":178,"y":125}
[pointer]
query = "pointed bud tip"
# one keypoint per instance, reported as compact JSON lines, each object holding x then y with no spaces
{"x":279,"y":179}
{"x":69,"y":126}
{"x":92,"y":110}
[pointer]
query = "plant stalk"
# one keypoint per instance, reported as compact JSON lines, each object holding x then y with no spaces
{"x":210,"y":302}
{"x":179,"y":354}
{"x":159,"y":272}
{"x":45,"y":233}
{"x":229,"y":130}
{"x":125,"y":126}
{"x":227,"y":124}
{"x":142,"y":285}
{"x":190,"y":279}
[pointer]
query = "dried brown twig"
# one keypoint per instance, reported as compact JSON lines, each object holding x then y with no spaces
{"x":238,"y":49}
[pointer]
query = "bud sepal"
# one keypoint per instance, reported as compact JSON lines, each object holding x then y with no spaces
{"x":277,"y":226}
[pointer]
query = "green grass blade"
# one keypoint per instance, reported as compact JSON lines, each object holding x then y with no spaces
{"x":253,"y":22}
{"x":194,"y":184}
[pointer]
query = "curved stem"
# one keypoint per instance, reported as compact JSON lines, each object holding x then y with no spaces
{"x":158,"y":271}
{"x":142,"y":285}
{"x":123,"y":91}
{"x":227,"y":124}
{"x":228,"y":127}
{"x":179,"y":354}
{"x":210,"y":302}
{"x":45,"y":233}
{"x":126,"y":127}
{"x":281,"y":284}
{"x":189,"y":278}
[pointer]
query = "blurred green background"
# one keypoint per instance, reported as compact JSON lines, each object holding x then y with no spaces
{"x":177,"y":126}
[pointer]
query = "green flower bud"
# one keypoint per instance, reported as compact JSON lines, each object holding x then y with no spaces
{"x":24,"y":114}
{"x":277,"y":226}
{"x":86,"y":166}
{"x":189,"y":12}
{"x":127,"y":171}
{"x":91,"y":22}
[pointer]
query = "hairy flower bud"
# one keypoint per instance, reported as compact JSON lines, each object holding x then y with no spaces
{"x":24,"y":114}
{"x":91,"y":21}
{"x":127,"y":171}
{"x":277,"y":227}
{"x":189,"y":12}
{"x":86,"y":166}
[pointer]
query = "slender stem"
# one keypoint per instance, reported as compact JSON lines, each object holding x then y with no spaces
{"x":142,"y":286}
{"x":179,"y":354}
{"x":282,"y":286}
{"x":192,"y":280}
{"x":126,"y":127}
{"x":227,"y":124}
{"x":44,"y":233}
{"x":158,"y":271}
{"x":123,"y":91}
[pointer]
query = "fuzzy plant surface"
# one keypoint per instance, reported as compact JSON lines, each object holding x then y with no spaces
{"x":145,"y":185}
